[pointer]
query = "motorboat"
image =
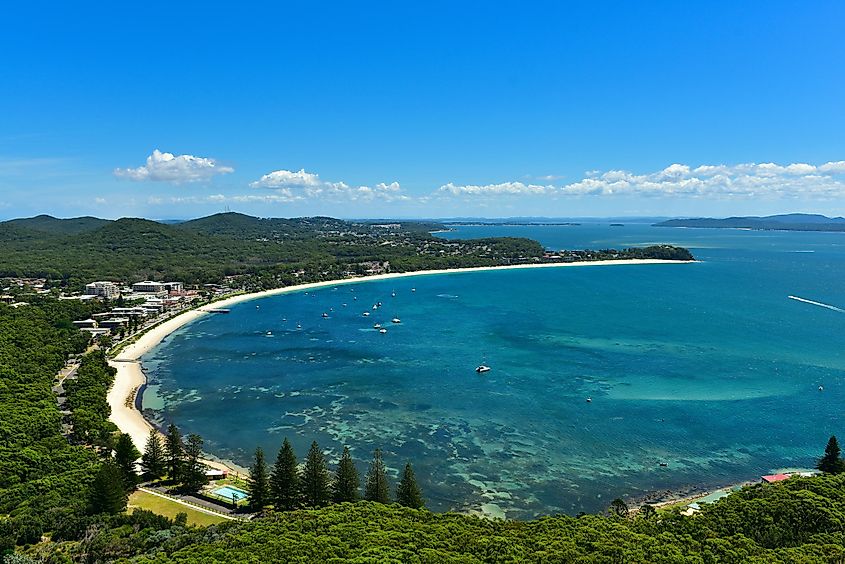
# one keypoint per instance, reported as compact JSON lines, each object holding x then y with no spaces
{"x":382,"y":331}
{"x":481,"y":369}
{"x":396,"y":320}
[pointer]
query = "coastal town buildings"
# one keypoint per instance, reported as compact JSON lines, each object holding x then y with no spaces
{"x":149,"y":287}
{"x":103,"y":289}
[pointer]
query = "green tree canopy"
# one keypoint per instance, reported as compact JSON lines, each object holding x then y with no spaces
{"x":284,"y":479}
{"x":193,"y":473}
{"x":408,"y":493}
{"x":153,"y":460}
{"x":316,"y":484}
{"x":831,"y":462}
{"x":125,"y":455}
{"x":107,"y":492}
{"x":347,"y":483}
{"x":174,"y":452}
{"x":376,"y":488}
{"x":259,"y":485}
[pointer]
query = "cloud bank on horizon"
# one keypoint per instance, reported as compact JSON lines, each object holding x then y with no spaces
{"x":748,"y":181}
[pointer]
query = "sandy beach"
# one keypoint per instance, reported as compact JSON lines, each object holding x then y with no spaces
{"x":130,"y":376}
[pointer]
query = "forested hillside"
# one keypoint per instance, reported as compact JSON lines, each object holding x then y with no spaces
{"x":271,"y":251}
{"x":264,"y":253}
{"x":797,"y":521}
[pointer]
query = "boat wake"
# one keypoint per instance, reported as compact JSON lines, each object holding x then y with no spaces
{"x":811,"y":302}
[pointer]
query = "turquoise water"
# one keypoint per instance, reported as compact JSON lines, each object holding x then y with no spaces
{"x":707,"y":368}
{"x":231,"y":493}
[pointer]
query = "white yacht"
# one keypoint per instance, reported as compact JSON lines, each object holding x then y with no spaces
{"x":481,"y":369}
{"x":396,"y":320}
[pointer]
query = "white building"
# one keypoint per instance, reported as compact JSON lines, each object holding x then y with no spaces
{"x":173,"y":286}
{"x":85,"y":324}
{"x":103,"y":289}
{"x":148,"y":287}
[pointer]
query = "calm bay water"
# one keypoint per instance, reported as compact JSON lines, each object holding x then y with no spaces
{"x":708,"y":368}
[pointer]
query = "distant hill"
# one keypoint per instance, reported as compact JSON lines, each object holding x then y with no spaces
{"x":269,"y":251}
{"x":784,"y":222}
{"x":50,"y":224}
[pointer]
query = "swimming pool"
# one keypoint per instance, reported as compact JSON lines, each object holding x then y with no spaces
{"x":230,"y":492}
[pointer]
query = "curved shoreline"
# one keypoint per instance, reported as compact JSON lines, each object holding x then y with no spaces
{"x":130,"y":377}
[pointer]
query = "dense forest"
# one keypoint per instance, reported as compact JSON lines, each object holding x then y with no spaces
{"x":263,"y":253}
{"x":52,"y":508}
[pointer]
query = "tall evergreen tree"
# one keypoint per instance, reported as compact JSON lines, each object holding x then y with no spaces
{"x":259,"y":486}
{"x":193,"y":472}
{"x":831,"y":463}
{"x":346,"y":481}
{"x":125,"y":455}
{"x":284,"y":479}
{"x":376,"y":487}
{"x":153,"y":461}
{"x":107,"y":492}
{"x":408,"y":493}
{"x":618,"y":508}
{"x":316,"y":489}
{"x":175,"y":452}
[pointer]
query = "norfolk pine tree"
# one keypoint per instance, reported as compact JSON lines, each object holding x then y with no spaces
{"x":346,"y":481}
{"x":408,"y":492}
{"x":153,"y":461}
{"x":831,"y":463}
{"x":284,"y":480}
{"x":107,"y":492}
{"x":193,"y":472}
{"x":376,"y":485}
{"x":175,"y":452}
{"x":316,"y":490}
{"x":125,"y":455}
{"x":259,"y":485}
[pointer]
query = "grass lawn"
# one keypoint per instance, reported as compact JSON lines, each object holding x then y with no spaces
{"x":168,"y":508}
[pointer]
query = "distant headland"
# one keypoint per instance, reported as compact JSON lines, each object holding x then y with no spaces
{"x":784,"y":222}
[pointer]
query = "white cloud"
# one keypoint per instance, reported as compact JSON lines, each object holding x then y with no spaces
{"x":302,"y":184}
{"x":167,"y":167}
{"x":504,"y":188}
{"x":287,"y":179}
{"x":744,"y":180}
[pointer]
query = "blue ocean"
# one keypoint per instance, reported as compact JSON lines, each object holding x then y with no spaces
{"x":605,"y":381}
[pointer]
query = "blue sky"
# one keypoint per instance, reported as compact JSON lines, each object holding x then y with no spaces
{"x":431,"y":109}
